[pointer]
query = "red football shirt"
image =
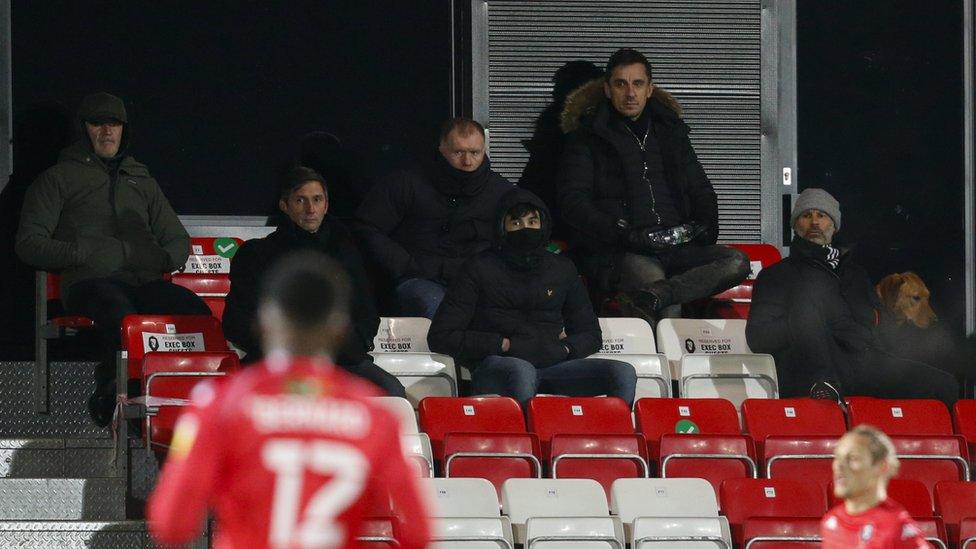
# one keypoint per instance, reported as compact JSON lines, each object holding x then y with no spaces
{"x":289,"y":454}
{"x":885,"y":526}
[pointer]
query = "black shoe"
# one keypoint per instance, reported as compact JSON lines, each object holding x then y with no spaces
{"x":101,"y":408}
{"x":826,"y":390}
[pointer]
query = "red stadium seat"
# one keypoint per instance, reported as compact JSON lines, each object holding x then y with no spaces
{"x":931,"y":459}
{"x":964,"y":420}
{"x":900,"y":417}
{"x":658,"y":416}
{"x":933,"y":529}
{"x":736,"y":301}
{"x":955,"y":501}
{"x":746,"y":498}
{"x":615,"y":456}
{"x":790,"y":416}
{"x":168,"y":333}
{"x":172,"y":376}
{"x":782,"y":532}
{"x":550,"y":415}
{"x":442,"y":415}
{"x":715,"y":458}
{"x":212,"y":289}
{"x":496,"y":457}
{"x":800,"y":458}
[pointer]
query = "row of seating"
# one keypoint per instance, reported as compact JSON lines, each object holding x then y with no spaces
{"x":755,"y":513}
{"x":599,"y":439}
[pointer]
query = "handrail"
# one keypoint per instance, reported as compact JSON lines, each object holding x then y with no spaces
{"x":661,"y":539}
{"x":530,"y":457}
{"x":633,"y":457}
{"x":742,"y":457}
{"x":774,"y":459}
{"x":761,"y":377}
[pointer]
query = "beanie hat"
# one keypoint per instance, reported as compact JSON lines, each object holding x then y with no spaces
{"x":101,"y":106}
{"x":816,"y":199}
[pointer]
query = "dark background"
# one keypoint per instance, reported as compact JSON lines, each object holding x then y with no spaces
{"x":880,"y":101}
{"x":220,"y":93}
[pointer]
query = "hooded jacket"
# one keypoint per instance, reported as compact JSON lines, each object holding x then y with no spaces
{"x":813,"y":319}
{"x":600,"y":177}
{"x":88,"y":221}
{"x":424,"y":223}
{"x":494,"y":297}
{"x":256,"y":257}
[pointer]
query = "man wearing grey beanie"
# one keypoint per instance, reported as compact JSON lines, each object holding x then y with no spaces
{"x":815,"y":312}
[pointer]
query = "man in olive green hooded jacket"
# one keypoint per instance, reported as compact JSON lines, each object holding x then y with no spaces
{"x":100,"y":219}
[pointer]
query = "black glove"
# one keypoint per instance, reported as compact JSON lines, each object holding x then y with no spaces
{"x":701,"y":233}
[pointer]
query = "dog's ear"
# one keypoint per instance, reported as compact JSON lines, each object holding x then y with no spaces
{"x":888,"y":290}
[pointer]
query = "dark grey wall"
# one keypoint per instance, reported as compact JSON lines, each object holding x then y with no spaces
{"x":880,"y":125}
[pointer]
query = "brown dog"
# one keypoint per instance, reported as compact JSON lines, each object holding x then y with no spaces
{"x":906,"y":298}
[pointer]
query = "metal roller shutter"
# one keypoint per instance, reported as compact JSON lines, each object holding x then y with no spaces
{"x":707,"y":54}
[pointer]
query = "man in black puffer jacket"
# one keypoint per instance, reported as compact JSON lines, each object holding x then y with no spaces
{"x":305,"y":201}
{"x":815,"y":312}
{"x":421,"y":225}
{"x":520,"y":317}
{"x":637,"y":196}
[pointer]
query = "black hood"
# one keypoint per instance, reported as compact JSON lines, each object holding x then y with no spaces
{"x":514,"y":197}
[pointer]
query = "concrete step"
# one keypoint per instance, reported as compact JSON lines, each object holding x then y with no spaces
{"x":62,"y":499}
{"x":57,"y":458}
{"x":80,"y":535}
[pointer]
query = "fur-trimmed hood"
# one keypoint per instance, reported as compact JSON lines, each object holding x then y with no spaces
{"x":584,"y":100}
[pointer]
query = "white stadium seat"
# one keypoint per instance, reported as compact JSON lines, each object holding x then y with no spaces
{"x":403,"y":410}
{"x":465,"y":514}
{"x":558,"y":505}
{"x":400,"y":347}
{"x":672,"y":509}
{"x":680,"y":336}
{"x":631,"y":340}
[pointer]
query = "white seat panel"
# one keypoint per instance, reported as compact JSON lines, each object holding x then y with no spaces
{"x":680,"y":336}
{"x":627,"y":335}
{"x":462,"y":497}
{"x":653,"y":372}
{"x":575,"y":532}
{"x":734,"y":377}
{"x":422,"y":374}
{"x":403,"y":410}
{"x":472,"y":533}
{"x":652,"y":532}
{"x":524,"y":498}
{"x":402,"y":335}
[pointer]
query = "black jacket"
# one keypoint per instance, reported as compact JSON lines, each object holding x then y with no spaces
{"x":492,"y":299}
{"x":255,"y":259}
{"x":600,"y":177}
{"x":426,"y":222}
{"x":814,"y":320}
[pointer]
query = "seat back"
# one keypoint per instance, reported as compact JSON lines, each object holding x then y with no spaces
{"x":912,"y":495}
{"x":760,"y":256}
{"x":782,"y":532}
{"x":614,"y":457}
{"x":662,"y":497}
{"x":461,"y":497}
{"x":967,"y":533}
{"x":680,"y":336}
{"x":954,"y":501}
{"x":800,"y":457}
{"x":964,"y":421}
{"x":211,"y":288}
{"x":523,"y":499}
{"x":573,"y":532}
{"x":932,"y":458}
{"x":402,"y":335}
{"x":211,"y":255}
{"x":548,"y":416}
{"x":742,"y":499}
{"x":900,"y":416}
{"x":680,"y":533}
{"x":142,"y":334}
{"x":658,"y":416}
{"x":172,"y":376}
{"x":715,"y":458}
{"x":791,"y":416}
{"x":735,"y":377}
{"x":627,"y":335}
{"x":442,"y":415}
{"x":401,"y":408}
{"x":933,"y":529}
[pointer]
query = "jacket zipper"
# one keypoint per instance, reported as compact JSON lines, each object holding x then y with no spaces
{"x":641,"y":143}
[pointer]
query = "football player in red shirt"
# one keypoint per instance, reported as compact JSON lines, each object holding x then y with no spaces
{"x":864,"y":461}
{"x":291,"y":452}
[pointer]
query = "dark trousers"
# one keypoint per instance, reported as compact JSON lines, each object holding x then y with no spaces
{"x":689,"y":272}
{"x":106,"y":301}
{"x":519,"y":379}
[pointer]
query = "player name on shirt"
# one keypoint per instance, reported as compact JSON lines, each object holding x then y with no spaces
{"x":285,"y":413}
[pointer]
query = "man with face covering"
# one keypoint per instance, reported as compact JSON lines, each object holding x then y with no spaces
{"x":420,"y":225}
{"x":520,"y":317}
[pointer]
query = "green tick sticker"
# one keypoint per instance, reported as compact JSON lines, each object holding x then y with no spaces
{"x":686,"y":427}
{"x":225,"y":247}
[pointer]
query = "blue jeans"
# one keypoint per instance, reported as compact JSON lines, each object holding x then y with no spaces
{"x":419,"y":297}
{"x":519,"y":379}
